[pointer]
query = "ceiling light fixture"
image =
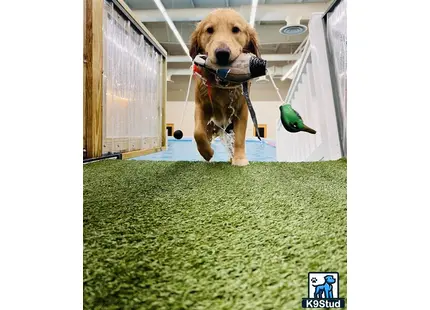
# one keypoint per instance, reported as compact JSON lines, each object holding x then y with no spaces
{"x":253,"y":12}
{"x":173,"y":27}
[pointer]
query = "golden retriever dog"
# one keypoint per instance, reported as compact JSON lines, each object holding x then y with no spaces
{"x":222,"y":36}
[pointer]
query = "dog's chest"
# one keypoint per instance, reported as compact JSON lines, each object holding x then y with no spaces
{"x":225,"y":104}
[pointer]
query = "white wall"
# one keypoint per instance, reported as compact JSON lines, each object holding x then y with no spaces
{"x":263,"y":97}
{"x":312,"y":96}
{"x":337,"y":43}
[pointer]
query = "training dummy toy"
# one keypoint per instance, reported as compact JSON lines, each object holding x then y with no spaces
{"x":244,"y":68}
{"x":292,"y":121}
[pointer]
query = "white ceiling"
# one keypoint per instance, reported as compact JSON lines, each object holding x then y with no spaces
{"x":271,"y":40}
{"x":187,"y":4}
{"x":270,"y":17}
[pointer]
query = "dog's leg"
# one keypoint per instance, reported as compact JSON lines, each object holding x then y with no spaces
{"x":327,"y":292}
{"x":239,"y":128}
{"x":317,"y":292}
{"x":200,"y":133}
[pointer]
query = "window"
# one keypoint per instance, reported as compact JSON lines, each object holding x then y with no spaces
{"x":170,"y":129}
{"x":262,"y":128}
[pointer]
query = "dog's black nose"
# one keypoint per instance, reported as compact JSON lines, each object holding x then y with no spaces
{"x":222,"y":56}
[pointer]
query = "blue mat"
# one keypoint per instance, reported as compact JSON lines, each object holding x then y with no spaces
{"x":186,"y":150}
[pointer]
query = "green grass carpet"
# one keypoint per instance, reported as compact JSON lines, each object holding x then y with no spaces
{"x":180,"y":235}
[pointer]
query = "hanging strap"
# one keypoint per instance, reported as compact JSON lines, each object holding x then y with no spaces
{"x":251,"y":109}
{"x":186,"y":100}
{"x":279,"y":95}
{"x":276,"y":88}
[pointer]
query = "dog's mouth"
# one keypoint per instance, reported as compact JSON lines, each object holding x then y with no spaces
{"x":222,"y":62}
{"x":227,"y":62}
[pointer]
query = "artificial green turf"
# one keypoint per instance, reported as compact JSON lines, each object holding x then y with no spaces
{"x":181,"y":235}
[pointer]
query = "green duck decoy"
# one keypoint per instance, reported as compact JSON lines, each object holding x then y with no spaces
{"x":292,"y":121}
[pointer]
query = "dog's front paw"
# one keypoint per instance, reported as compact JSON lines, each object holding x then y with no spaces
{"x":240,"y":162}
{"x":207,"y":153}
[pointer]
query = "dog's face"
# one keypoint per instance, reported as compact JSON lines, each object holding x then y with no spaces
{"x":223,"y":35}
{"x":329,"y":279}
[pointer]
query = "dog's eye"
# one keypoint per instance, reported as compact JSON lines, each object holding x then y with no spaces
{"x":235,"y":29}
{"x":210,"y":30}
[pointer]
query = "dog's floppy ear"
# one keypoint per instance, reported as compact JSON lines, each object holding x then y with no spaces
{"x":252,"y":46}
{"x":195,"y":48}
